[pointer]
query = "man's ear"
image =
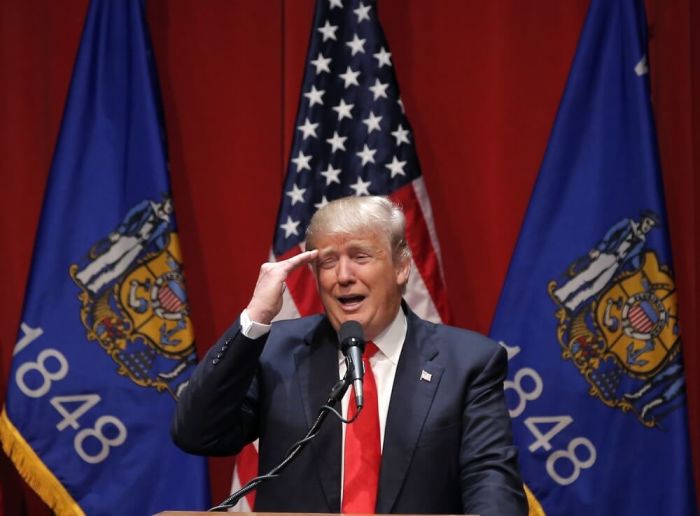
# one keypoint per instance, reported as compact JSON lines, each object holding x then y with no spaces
{"x":403,"y":271}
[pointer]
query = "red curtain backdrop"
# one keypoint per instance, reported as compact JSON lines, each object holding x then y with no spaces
{"x":481,"y":82}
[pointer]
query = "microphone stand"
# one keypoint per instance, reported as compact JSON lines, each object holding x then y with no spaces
{"x":337,"y":393}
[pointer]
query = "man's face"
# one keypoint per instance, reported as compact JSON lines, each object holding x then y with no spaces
{"x":167,"y":206}
{"x":358,"y":280}
{"x":647,"y":224}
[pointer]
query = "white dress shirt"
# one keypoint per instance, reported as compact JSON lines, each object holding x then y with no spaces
{"x":383,"y":363}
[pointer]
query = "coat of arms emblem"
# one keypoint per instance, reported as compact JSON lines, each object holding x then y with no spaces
{"x":134,"y":302}
{"x":618,"y":323}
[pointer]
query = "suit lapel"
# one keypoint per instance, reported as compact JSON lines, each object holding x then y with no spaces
{"x":317,"y":372}
{"x":411,"y":398}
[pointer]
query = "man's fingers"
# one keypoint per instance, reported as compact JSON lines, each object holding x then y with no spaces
{"x":298,"y":260}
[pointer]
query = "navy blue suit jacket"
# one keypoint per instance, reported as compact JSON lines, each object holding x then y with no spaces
{"x":447,"y":444}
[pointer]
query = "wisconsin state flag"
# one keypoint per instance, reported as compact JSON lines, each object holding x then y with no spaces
{"x":106,"y":341}
{"x":588,"y":311}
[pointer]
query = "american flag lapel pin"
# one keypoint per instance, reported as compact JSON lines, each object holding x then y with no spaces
{"x":425,"y":376}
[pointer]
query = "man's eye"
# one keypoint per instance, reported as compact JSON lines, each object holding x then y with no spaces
{"x":362,"y":258}
{"x":327,"y":263}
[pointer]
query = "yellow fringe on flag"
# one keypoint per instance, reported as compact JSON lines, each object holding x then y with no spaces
{"x":34,"y":472}
{"x":535,"y":507}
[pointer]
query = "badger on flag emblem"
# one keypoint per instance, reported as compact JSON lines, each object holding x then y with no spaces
{"x":618,"y":323}
{"x":133,"y":298}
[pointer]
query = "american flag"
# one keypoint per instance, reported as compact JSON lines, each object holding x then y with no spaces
{"x":352,"y":137}
{"x":643,"y":317}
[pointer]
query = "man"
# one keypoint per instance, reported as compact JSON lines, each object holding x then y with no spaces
{"x":444,"y":431}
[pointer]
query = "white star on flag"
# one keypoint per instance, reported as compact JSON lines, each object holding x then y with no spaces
{"x":350,"y":77}
{"x":337,"y":142}
{"x":379,"y":89}
{"x":367,"y":155}
{"x":401,"y":135}
{"x":302,"y":161}
{"x":362,"y":12}
{"x":321,"y":63}
{"x":290,"y":227}
{"x":383,"y":58}
{"x":331,"y":174}
{"x":328,"y":31}
{"x":357,"y":45}
{"x":315,"y":96}
{"x":343,"y":110}
{"x":396,"y":167}
{"x":372,"y":122}
{"x":361,"y":187}
{"x":308,"y":129}
{"x":296,"y":194}
{"x":321,"y":204}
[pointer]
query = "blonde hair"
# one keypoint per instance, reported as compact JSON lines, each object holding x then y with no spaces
{"x":353,"y":215}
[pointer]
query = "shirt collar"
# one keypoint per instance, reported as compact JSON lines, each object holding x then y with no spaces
{"x":390,"y":341}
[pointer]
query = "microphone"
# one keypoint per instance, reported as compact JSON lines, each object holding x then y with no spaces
{"x":352,"y":345}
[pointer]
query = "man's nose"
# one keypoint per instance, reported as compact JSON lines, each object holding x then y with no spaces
{"x":346,"y":273}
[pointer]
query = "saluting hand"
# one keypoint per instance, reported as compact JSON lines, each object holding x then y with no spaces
{"x":266,"y":302}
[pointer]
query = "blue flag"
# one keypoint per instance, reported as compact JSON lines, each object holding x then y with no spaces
{"x":588,"y":311}
{"x":106,"y":339}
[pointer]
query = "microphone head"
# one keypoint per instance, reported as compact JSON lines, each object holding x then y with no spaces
{"x":350,"y":334}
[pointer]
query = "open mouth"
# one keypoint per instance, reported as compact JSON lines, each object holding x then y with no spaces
{"x":350,"y":301}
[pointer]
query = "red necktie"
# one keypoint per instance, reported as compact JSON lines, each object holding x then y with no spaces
{"x":362,"y":447}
